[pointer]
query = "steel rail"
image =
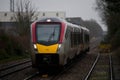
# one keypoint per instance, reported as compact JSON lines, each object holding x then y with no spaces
{"x":94,"y":64}
{"x":31,"y":76}
{"x":9,"y":73}
{"x":15,"y":65}
{"x":57,"y":75}
{"x":111,"y":68}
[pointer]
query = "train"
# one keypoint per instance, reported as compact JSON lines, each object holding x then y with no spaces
{"x":55,"y":42}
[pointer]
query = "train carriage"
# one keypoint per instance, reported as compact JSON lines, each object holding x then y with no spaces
{"x":54,"y":42}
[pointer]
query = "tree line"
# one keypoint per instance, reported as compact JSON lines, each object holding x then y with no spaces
{"x":110,"y":13}
{"x":12,"y":45}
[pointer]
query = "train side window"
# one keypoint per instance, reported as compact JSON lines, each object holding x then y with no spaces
{"x":81,"y":36}
{"x":87,"y":38}
{"x":72,"y":39}
{"x":78,"y":37}
{"x":67,"y":33}
{"x":75,"y":38}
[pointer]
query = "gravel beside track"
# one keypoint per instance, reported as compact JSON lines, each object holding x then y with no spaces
{"x":76,"y":71}
{"x":79,"y":71}
{"x":12,"y":63}
{"x":116,"y":66}
{"x":102,"y":69}
{"x":11,"y":68}
{"x":20,"y":75}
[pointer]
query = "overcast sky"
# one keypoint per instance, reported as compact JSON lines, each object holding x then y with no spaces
{"x":73,"y":8}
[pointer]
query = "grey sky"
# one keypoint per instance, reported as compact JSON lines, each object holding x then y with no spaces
{"x":73,"y":8}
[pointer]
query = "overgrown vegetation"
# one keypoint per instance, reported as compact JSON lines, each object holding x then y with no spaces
{"x":15,"y":46}
{"x":110,"y":13}
{"x":94,"y":27}
{"x":11,"y":47}
{"x":24,"y":14}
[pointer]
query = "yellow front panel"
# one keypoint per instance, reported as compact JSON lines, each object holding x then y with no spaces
{"x":47,"y":49}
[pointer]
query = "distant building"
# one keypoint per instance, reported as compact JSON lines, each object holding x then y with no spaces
{"x":8,"y":22}
{"x":9,"y":16}
{"x":52,"y":14}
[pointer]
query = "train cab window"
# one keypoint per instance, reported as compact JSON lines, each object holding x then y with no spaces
{"x":48,"y":33}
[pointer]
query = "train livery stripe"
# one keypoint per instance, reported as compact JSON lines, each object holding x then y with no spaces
{"x":33,"y":33}
{"x":52,"y":49}
{"x":62,"y":32}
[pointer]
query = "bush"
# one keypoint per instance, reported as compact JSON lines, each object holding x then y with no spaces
{"x":115,"y":41}
{"x":11,"y":46}
{"x":3,"y":54}
{"x":117,"y":52}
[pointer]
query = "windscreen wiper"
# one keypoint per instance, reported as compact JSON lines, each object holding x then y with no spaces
{"x":52,"y":35}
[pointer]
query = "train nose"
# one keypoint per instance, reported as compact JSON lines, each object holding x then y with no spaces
{"x":47,"y":49}
{"x":47,"y":59}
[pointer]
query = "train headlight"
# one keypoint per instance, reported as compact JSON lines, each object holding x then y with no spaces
{"x":35,"y":47}
{"x":48,"y":20}
{"x":59,"y":47}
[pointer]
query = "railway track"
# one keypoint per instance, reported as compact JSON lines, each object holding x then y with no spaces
{"x":14,"y":68}
{"x":69,"y":67}
{"x":101,"y":69}
{"x":78,"y":67}
{"x":81,"y":61}
{"x":68,"y":71}
{"x":89,"y":73}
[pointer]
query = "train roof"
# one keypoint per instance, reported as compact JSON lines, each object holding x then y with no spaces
{"x":85,"y":29}
{"x":54,"y":19}
{"x":51,"y":19}
{"x":57,"y":19}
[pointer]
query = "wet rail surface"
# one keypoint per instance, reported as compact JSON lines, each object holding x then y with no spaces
{"x":89,"y":67}
{"x":77,"y":70}
{"x":11,"y":69}
{"x":102,"y":69}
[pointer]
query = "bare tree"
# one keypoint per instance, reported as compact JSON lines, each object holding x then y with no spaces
{"x":24,"y":14}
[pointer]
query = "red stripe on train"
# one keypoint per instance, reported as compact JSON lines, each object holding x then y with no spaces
{"x":62,"y":32}
{"x":34,"y":32}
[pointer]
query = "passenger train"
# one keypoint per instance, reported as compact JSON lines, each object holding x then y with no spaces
{"x":54,"y":42}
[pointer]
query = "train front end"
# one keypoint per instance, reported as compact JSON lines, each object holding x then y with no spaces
{"x":47,"y":37}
